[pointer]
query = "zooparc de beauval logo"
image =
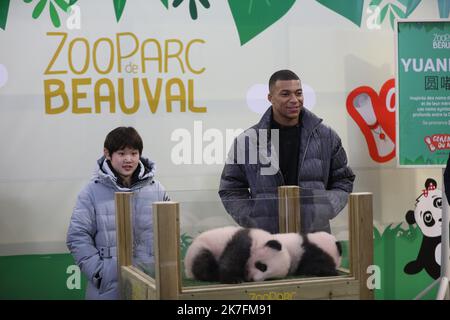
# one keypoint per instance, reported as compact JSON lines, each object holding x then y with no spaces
{"x":86,"y":76}
{"x":441,"y":41}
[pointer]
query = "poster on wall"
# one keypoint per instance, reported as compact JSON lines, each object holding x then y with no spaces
{"x":423,"y":91}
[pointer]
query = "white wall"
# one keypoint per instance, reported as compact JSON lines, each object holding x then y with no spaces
{"x":46,"y":159}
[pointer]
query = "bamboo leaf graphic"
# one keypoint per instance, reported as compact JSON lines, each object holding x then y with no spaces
{"x":193,"y":9}
{"x":165,"y":3}
{"x":54,"y":16}
{"x":376,"y":234}
{"x":392,"y":18}
{"x":375,"y":2}
{"x":38,"y":9}
{"x":205,"y":3}
{"x":444,"y":8}
{"x":397,"y":228}
{"x":410,"y":5}
{"x":176,"y":3}
{"x":119,"y":5}
{"x":350,"y":9}
{"x":53,"y":5}
{"x":254,"y":16}
{"x":4,"y":6}
{"x":383,"y":13}
{"x":398,"y":11}
{"x":62,"y":4}
{"x":192,"y":6}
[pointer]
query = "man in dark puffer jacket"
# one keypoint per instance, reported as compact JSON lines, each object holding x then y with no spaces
{"x":289,"y":146}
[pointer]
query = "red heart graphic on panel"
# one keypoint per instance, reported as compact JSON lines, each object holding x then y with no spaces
{"x":386,"y":110}
{"x":375,"y":115}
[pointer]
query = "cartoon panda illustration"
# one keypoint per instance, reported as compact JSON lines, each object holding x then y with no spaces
{"x":428,"y":217}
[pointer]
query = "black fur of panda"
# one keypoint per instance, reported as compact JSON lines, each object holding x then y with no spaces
{"x":222,"y":254}
{"x":313,"y":254}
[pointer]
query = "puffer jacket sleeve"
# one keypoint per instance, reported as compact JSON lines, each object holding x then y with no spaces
{"x":162,"y":193}
{"x":341,"y":177}
{"x":235,"y":195}
{"x":238,"y":189}
{"x":80,"y":237}
{"x":338,"y":179}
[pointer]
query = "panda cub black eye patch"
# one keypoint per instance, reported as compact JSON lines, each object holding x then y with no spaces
{"x":261,"y":266}
{"x":274,"y":244}
{"x":428,"y":219}
{"x":437,"y":203}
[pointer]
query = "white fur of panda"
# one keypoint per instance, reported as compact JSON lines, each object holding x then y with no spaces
{"x":313,"y":254}
{"x":222,"y":254}
{"x":212,"y":241}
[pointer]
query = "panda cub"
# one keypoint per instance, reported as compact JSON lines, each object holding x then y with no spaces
{"x":312,"y":254}
{"x":222,"y":254}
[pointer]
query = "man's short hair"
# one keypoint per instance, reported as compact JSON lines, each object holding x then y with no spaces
{"x":122,"y":137}
{"x":282,"y":75}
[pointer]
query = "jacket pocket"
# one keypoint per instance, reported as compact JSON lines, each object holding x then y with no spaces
{"x":108,"y":275}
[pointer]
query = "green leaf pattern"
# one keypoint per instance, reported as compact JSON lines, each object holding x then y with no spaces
{"x":186,"y":241}
{"x":119,"y":5}
{"x":165,"y":3}
{"x":4,"y":6}
{"x":38,"y":9}
{"x":54,"y":16}
{"x":410,"y":5}
{"x":353,"y":9}
{"x":254,"y":16}
{"x":444,"y":8}
{"x":63,"y":5}
{"x":350,"y":9}
{"x":383,"y":13}
{"x":394,"y":9}
{"x":251,"y":17}
{"x":192,"y":6}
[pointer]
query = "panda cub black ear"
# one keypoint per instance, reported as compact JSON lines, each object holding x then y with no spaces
{"x":410,"y":217}
{"x":274,"y":244}
{"x":430,"y":182}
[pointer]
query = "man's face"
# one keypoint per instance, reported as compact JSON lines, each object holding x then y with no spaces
{"x":124,"y":161}
{"x":286,"y":97}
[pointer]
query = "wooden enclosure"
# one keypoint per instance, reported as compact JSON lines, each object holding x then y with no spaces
{"x":168,"y":282}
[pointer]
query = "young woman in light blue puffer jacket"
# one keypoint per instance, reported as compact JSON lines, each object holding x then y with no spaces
{"x":91,"y":237}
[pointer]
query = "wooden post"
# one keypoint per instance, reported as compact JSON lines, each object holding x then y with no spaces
{"x":166,"y":236}
{"x":361,"y":240}
{"x":124,"y":236}
{"x":289,"y":209}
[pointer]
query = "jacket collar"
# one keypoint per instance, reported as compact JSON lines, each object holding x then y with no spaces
{"x":105,"y":175}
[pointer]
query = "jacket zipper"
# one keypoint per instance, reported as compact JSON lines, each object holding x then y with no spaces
{"x":306,"y":149}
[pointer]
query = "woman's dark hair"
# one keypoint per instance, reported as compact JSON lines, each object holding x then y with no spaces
{"x":123,"y":137}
